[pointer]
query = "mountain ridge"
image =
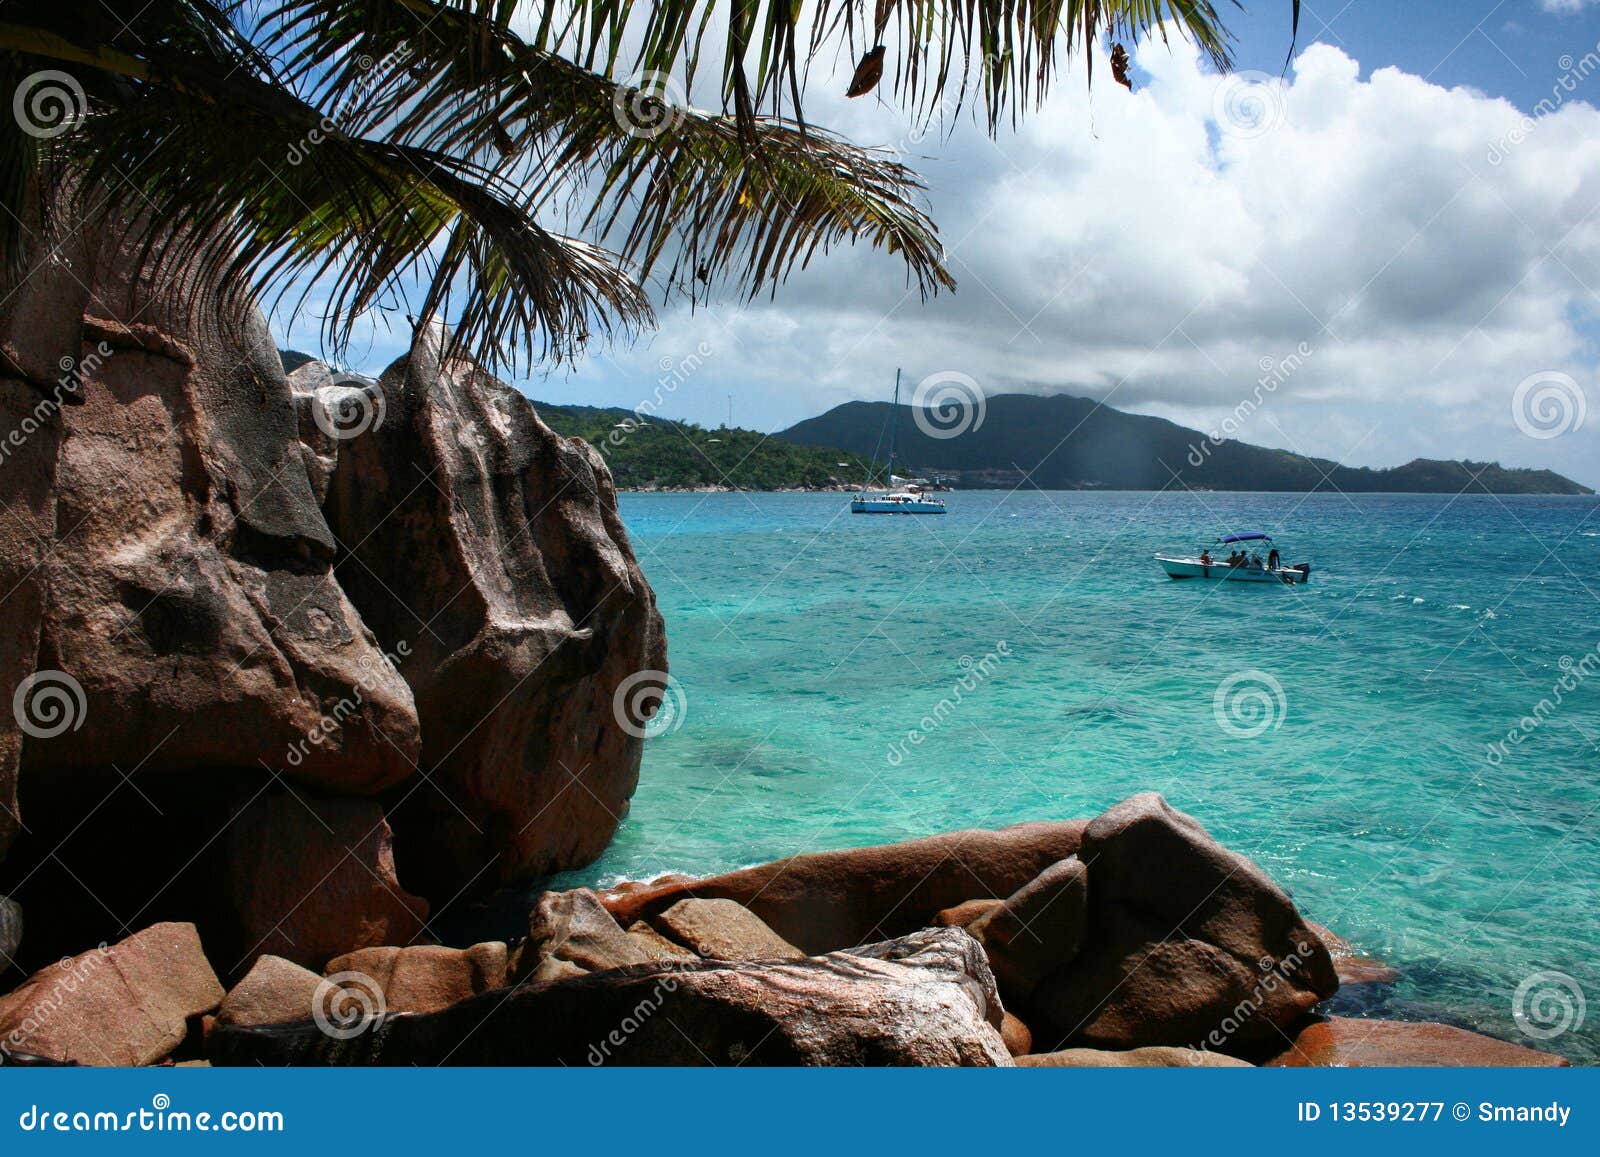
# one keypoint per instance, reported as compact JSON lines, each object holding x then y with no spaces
{"x":1062,"y":442}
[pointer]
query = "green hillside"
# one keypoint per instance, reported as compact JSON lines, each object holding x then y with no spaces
{"x":1066,"y":443}
{"x":660,"y":454}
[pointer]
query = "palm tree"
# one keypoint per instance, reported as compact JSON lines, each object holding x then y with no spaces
{"x":535,"y":168}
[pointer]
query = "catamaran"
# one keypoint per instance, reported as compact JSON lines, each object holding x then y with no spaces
{"x":908,"y":499}
{"x":1243,"y":563}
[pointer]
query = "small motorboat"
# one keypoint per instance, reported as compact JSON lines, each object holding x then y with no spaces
{"x":1246,"y":566}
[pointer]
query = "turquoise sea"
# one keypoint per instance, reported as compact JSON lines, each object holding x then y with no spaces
{"x":1348,"y":751}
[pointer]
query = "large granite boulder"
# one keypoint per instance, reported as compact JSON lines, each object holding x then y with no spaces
{"x":312,"y":878}
{"x":1150,"y":1057}
{"x":191,"y":586}
{"x":1038,"y":928}
{"x":129,"y":1004}
{"x":424,"y":977}
{"x":274,"y":991}
{"x":489,"y":550}
{"x":574,"y":928}
{"x":1341,"y":1042}
{"x":724,"y":930}
{"x":41,"y":344}
{"x":1185,"y":943}
{"x":656,"y":946}
{"x":824,"y":901}
{"x":189,"y":631}
{"x":178,"y":636}
{"x":927,"y":999}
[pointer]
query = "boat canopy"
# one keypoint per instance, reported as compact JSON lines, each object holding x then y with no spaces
{"x":1254,"y":537}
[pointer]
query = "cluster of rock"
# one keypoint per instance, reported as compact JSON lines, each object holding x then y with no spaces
{"x":1133,"y":940}
{"x":289,"y":660}
{"x":261,"y":634}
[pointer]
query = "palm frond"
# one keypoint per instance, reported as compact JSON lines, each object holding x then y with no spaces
{"x":665,"y":178}
{"x":377,"y":143}
{"x":261,"y":191}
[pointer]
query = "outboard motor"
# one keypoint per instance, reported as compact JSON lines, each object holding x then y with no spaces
{"x":1305,"y":570}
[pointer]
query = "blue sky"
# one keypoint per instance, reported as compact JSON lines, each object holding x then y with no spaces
{"x":1386,"y":203}
{"x":1504,"y":49}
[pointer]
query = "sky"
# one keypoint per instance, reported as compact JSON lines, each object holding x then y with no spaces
{"x":1400,"y":231}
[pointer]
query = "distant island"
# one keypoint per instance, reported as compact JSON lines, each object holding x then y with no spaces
{"x":1067,"y":443}
{"x":1052,"y":443}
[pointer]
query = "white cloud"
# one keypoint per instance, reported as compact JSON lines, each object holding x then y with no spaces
{"x":1432,"y":245}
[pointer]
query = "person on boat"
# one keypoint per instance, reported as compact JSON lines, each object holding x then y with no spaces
{"x":1236,"y":558}
{"x":1205,"y":558}
{"x":1274,"y":559}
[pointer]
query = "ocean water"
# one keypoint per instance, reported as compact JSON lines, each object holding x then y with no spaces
{"x":1340,"y":734}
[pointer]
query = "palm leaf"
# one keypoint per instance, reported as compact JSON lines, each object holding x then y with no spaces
{"x":433,"y":144}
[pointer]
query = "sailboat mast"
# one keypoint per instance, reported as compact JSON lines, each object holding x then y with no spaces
{"x":894,"y":426}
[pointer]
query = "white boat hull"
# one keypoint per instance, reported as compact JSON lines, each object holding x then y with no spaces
{"x":1193,"y":568}
{"x":895,"y":506}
